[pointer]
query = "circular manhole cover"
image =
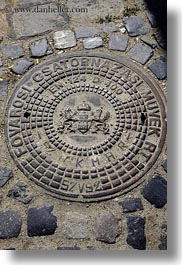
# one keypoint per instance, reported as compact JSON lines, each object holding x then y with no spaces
{"x":86,"y":126}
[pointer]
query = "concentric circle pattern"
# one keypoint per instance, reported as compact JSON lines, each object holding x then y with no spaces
{"x":86,"y":126}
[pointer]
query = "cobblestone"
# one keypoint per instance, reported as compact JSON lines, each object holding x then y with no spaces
{"x":12,"y":51}
{"x":92,"y":43}
{"x":109,"y":27}
{"x":107,"y":228}
{"x":149,"y":42}
{"x":40,"y":221}
{"x":164,"y":165}
{"x":155,"y":191}
{"x":40,"y":48}
{"x":64,"y":39}
{"x":3,"y":89}
{"x":152,"y":19}
{"x":85,"y":32}
{"x":131,"y":205}
{"x":76,"y":226}
{"x":2,"y":4}
{"x":160,"y":40}
{"x":19,"y":193}
{"x":5,"y":175}
{"x":10,"y":224}
{"x":136,"y":26}
{"x":140,"y":53}
{"x":118,"y":42}
{"x":136,"y":232}
{"x":159,"y":68}
{"x":21,"y":66}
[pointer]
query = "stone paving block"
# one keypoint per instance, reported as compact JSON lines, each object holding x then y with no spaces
{"x":155,"y":191}
{"x":108,"y":27}
{"x":136,"y":26}
{"x":118,"y":42}
{"x":21,"y":66}
{"x":107,"y":228}
{"x":136,"y":232}
{"x":5,"y":175}
{"x":92,"y":43}
{"x":3,"y":89}
{"x":18,"y":192}
{"x":2,"y":4}
{"x":64,"y":39}
{"x":76,"y":226}
{"x":149,"y":42}
{"x":10,"y":224}
{"x":140,"y":53}
{"x":131,"y":205}
{"x":160,"y":40}
{"x":12,"y":51}
{"x":159,"y":68}
{"x":164,"y":165}
{"x":40,"y":221}
{"x":36,"y":23}
{"x":40,"y":48}
{"x":152,"y":19}
{"x":85,"y":32}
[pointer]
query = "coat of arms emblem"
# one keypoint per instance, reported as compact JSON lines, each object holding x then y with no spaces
{"x":83,"y":119}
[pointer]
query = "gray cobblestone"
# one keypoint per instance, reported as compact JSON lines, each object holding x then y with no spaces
{"x":135,"y":26}
{"x":12,"y":51}
{"x":3,"y":89}
{"x":76,"y":226}
{"x":21,"y":66}
{"x":118,"y":42}
{"x":151,"y":19}
{"x":40,"y":48}
{"x":107,"y":228}
{"x":64,"y":39}
{"x":155,"y":191}
{"x":131,"y":205}
{"x":92,"y":43}
{"x":19,"y":193}
{"x":10,"y":224}
{"x":40,"y":221}
{"x":5,"y":175}
{"x":136,"y":232}
{"x":109,"y":27}
{"x":2,"y":4}
{"x":140,"y":53}
{"x":85,"y":32}
{"x":159,"y":68}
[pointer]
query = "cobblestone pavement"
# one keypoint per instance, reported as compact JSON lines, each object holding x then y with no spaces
{"x":30,"y":216}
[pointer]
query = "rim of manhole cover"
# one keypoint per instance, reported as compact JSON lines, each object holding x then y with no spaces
{"x":86,"y":126}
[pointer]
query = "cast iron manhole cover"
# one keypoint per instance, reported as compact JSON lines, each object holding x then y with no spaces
{"x":86,"y":126}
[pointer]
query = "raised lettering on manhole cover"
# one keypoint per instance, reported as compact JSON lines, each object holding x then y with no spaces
{"x":86,"y":126}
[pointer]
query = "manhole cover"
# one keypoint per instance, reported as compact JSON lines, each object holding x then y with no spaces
{"x":86,"y":126}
